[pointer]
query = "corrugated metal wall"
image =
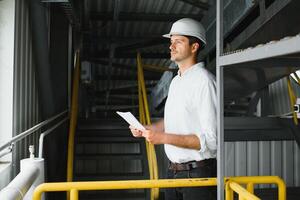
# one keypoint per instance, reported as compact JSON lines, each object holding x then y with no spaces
{"x":263,"y":158}
{"x":281,"y":158}
{"x":26,"y":103}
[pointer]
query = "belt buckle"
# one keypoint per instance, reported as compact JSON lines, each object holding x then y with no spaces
{"x":193,"y":165}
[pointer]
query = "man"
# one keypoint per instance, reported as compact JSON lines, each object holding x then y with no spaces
{"x":188,"y":130}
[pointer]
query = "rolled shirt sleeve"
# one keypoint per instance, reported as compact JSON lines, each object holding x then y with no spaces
{"x":206,"y":114}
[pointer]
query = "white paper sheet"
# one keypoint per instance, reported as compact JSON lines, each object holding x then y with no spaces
{"x":128,"y":117}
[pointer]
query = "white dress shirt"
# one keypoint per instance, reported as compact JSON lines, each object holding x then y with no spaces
{"x":191,"y":109}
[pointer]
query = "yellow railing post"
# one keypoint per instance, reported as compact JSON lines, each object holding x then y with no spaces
{"x":228,"y":192}
{"x":73,"y":119}
{"x":143,"y":121}
{"x":262,"y":180}
{"x":242,"y":192}
{"x":146,"y":120}
{"x":292,"y":99}
{"x":74,"y":194}
{"x":281,"y":188}
{"x":250,"y":187}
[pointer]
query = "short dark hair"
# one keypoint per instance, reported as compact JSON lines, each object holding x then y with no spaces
{"x":193,"y":40}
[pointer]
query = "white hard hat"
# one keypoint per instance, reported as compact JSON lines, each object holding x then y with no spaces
{"x":188,"y":27}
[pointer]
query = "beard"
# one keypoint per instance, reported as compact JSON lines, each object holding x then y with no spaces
{"x":176,"y":57}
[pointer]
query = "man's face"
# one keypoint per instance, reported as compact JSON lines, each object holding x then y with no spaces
{"x":180,"y":48}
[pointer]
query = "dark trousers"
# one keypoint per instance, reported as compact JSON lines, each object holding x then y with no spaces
{"x":193,"y":193}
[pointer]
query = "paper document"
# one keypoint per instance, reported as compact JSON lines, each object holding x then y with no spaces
{"x":131,"y":120}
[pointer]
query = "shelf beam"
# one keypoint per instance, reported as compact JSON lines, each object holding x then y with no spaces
{"x":283,"y":47}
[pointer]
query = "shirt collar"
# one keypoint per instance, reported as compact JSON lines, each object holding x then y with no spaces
{"x":190,"y":69}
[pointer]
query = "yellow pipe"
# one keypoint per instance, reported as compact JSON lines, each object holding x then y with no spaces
{"x":262,"y":180}
{"x":141,"y":114}
{"x":152,"y":153}
{"x":74,"y":194}
{"x":290,"y":88}
{"x":228,"y":192}
{"x":114,"y":185}
{"x":163,"y":183}
{"x":292,"y":100}
{"x":141,"y":78}
{"x":148,"y":122}
{"x":242,"y":192}
{"x":154,"y":161}
{"x":250,"y":188}
{"x":143,"y":121}
{"x":73,"y":120}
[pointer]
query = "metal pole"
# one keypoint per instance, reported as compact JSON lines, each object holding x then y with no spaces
{"x":70,"y":65}
{"x":7,"y":150}
{"x":74,"y":194}
{"x":30,"y":131}
{"x":220,"y":100}
{"x":41,"y":140}
{"x":126,"y":184}
{"x":73,"y":118}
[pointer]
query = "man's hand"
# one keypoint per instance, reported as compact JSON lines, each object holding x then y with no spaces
{"x":153,"y":137}
{"x":135,"y":132}
{"x":190,"y":141}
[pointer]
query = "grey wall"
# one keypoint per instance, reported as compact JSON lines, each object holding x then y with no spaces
{"x":264,"y":158}
{"x":26,"y":100}
{"x":29,"y":94}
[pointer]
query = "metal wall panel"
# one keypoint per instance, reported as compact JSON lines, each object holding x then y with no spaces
{"x":296,"y":165}
{"x":279,"y":97}
{"x":278,"y":158}
{"x":26,"y":103}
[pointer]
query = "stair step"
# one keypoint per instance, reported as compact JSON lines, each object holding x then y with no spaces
{"x":108,"y":148}
{"x":103,"y":133}
{"x":105,"y":150}
{"x":116,"y":166}
{"x":97,"y":124}
{"x":117,"y":156}
{"x":81,"y":140}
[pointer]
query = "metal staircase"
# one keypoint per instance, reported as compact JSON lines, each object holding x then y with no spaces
{"x":106,"y":150}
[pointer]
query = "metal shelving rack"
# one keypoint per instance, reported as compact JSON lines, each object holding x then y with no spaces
{"x":284,"y":52}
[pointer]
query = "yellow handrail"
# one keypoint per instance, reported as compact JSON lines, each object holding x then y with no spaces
{"x":73,"y":118}
{"x":145,"y":119}
{"x":292,"y":98}
{"x":75,"y":187}
{"x":242,"y":192}
{"x":114,"y":185}
{"x":251,"y":180}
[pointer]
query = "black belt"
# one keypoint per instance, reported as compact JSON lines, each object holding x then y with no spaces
{"x":191,"y":164}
